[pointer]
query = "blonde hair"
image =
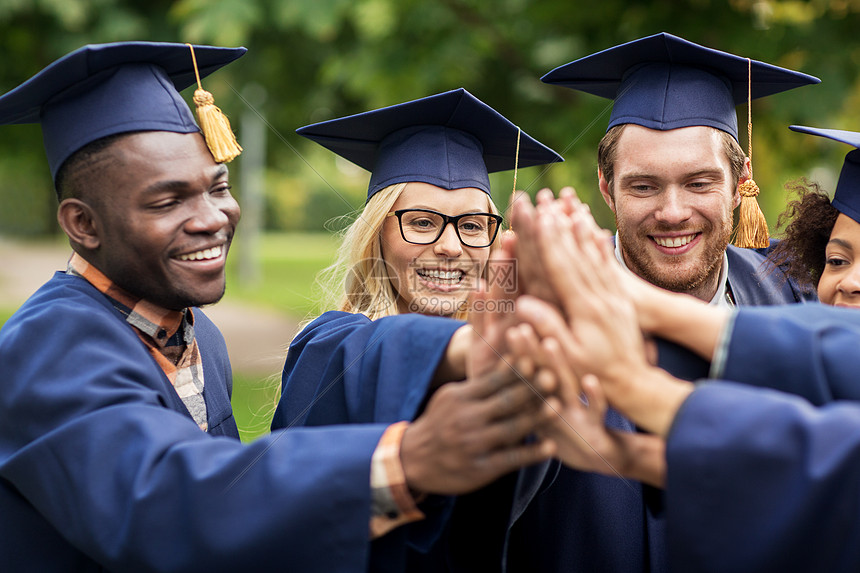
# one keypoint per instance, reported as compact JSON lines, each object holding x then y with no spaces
{"x":359,"y":280}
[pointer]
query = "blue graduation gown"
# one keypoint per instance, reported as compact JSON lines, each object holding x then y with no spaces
{"x":754,"y":282}
{"x":102,"y":467}
{"x":344,"y":368}
{"x":808,"y":350}
{"x":548,"y":517}
{"x":582,"y":521}
{"x":759,"y":480}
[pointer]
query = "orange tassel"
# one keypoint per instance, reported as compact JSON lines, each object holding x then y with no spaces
{"x":752,"y":226}
{"x":214,"y":124}
{"x":752,"y":230}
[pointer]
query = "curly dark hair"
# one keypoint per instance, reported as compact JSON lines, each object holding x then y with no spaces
{"x":801,"y":251}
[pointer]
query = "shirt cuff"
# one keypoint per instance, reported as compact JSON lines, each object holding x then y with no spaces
{"x":392,"y":505}
{"x":721,"y":352}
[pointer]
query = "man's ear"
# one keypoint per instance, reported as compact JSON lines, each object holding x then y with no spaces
{"x":604,"y":190}
{"x":80,"y":223}
{"x":745,"y":176}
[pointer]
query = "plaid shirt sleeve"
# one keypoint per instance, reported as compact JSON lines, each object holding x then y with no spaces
{"x":392,"y":505}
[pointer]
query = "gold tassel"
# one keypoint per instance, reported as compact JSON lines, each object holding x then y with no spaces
{"x":213,"y":123}
{"x":752,"y":230}
{"x":752,"y":226}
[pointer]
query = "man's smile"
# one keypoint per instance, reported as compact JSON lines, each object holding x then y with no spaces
{"x":202,"y":255}
{"x":676,"y":244}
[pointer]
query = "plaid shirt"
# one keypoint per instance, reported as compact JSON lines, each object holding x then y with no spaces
{"x":167,"y":334}
{"x":169,"y":337}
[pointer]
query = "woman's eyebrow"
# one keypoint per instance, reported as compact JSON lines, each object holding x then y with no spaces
{"x":842,"y":243}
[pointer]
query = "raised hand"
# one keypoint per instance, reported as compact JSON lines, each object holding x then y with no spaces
{"x":524,"y":246}
{"x":578,"y":427}
{"x":474,"y":432}
{"x":603,"y":335}
{"x":491,"y":312}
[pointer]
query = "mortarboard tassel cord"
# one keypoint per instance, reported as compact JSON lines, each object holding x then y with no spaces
{"x":213,"y":123}
{"x":752,"y":230}
{"x":516,"y":164}
{"x":517,"y":158}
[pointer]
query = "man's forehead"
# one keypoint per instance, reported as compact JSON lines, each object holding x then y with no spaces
{"x":148,"y":157}
{"x":155,"y":146}
{"x":644,"y":151}
{"x":691,"y":133}
{"x":637,"y":143}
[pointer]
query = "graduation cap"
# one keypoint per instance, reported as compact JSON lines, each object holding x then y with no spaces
{"x":106,"y":89}
{"x":846,"y":199}
{"x":451,"y":140}
{"x":665,"y":82}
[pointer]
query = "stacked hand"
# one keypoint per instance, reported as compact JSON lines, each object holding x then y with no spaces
{"x":475,"y":431}
{"x":578,"y":426}
{"x":586,"y":315}
{"x":550,"y":370}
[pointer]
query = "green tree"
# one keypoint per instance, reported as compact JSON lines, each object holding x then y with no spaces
{"x":319,"y":59}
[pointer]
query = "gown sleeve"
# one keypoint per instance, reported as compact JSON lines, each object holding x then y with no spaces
{"x":90,"y":447}
{"x":759,"y":480}
{"x":345,"y":368}
{"x":809,"y":350}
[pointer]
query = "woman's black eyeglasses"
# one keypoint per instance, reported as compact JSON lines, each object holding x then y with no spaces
{"x":424,"y":227}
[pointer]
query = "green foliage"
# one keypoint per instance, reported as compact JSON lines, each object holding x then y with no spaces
{"x":319,"y":59}
{"x":222,"y":22}
{"x":28,"y":204}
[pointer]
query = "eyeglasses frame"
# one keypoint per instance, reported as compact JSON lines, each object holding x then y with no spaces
{"x":453,"y":220}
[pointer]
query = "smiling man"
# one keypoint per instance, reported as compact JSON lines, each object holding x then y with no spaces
{"x":669,"y":167}
{"x":673,"y":193}
{"x":118,"y":446}
{"x":670,"y":163}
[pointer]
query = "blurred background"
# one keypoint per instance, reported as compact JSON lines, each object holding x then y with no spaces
{"x":312,"y":60}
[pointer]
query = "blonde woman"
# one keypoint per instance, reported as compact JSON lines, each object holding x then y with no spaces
{"x":410,"y":260}
{"x":369,"y":275}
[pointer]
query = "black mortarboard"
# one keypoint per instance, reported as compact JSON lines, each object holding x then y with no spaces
{"x":105,"y":89}
{"x":665,"y":82}
{"x":451,"y":140}
{"x":846,"y":199}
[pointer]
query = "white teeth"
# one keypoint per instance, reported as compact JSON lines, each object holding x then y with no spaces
{"x":204,"y":255}
{"x":674,"y":241}
{"x":453,"y":276}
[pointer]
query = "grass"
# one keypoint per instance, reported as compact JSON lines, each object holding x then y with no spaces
{"x":289,"y":263}
{"x":254,"y":402}
{"x":5,"y":313}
